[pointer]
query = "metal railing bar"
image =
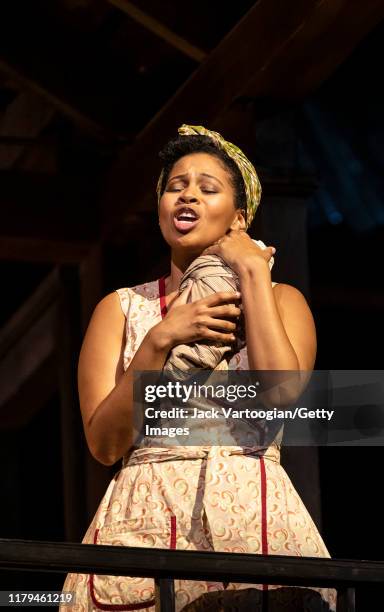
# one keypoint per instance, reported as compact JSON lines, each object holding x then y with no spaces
{"x":190,"y":565}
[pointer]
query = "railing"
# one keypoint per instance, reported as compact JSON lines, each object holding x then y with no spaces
{"x":344,"y":575}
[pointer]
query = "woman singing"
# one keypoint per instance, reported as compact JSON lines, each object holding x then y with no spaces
{"x":227,"y":498}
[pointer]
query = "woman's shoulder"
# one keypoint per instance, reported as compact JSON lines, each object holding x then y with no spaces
{"x":287,"y":290}
{"x":290,"y":299}
{"x":109,"y":305}
{"x":107,"y":318}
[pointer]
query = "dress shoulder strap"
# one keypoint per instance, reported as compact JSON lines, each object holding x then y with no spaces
{"x":141,"y":307}
{"x":125,"y":299}
{"x":134,"y":300}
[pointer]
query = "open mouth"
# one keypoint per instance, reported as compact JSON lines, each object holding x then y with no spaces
{"x":185,"y":219}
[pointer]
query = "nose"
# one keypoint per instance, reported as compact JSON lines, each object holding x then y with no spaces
{"x":187,"y":198}
{"x":188,"y":195}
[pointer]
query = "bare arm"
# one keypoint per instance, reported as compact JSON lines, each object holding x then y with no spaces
{"x":280,"y":329}
{"x":105,"y":390}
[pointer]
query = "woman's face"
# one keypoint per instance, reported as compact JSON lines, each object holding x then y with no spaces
{"x":197,"y":206}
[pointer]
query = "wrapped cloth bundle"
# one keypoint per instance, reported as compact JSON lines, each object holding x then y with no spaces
{"x":208,"y":274}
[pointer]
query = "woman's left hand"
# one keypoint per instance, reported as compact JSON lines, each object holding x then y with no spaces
{"x":237,"y":249}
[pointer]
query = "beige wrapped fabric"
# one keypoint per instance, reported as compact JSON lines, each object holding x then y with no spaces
{"x":208,"y":274}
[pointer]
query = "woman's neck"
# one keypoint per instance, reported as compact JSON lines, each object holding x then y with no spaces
{"x":178,"y":267}
{"x":172,"y":282}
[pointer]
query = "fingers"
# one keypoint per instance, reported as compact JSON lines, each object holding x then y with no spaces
{"x":227,"y":310}
{"x":222,"y":338}
{"x":222,"y":324}
{"x":222,"y":296}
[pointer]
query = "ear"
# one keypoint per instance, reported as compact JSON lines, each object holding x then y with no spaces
{"x":239,"y":221}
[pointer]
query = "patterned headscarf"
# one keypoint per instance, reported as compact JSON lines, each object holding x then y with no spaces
{"x":248,"y":172}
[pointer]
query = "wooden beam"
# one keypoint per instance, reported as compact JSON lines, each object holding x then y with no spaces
{"x":73,"y":444}
{"x":32,"y":325}
{"x":39,"y":348}
{"x":324,"y":39}
{"x":254,"y":44}
{"x":29,"y":398}
{"x":155,"y":26}
{"x":47,"y":218}
{"x":59,"y":102}
{"x":23,"y":141}
{"x":20,"y":248}
{"x":29,"y":312}
{"x":26,"y":116}
{"x":256,"y":50}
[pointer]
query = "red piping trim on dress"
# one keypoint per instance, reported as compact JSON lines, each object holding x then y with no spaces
{"x":163,"y":306}
{"x":173,"y":532}
{"x":264,"y":534}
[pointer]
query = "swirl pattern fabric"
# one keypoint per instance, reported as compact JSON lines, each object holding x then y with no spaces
{"x":225,"y":499}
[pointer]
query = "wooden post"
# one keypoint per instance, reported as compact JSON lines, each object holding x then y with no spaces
{"x":73,"y":444}
{"x":346,"y":600}
{"x":165,"y":595}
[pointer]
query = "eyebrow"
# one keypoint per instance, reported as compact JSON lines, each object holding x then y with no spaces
{"x":182,"y":176}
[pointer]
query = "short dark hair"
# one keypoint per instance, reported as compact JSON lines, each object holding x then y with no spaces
{"x":176,"y":148}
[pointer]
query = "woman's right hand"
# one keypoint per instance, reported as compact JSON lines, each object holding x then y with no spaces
{"x":204,"y":319}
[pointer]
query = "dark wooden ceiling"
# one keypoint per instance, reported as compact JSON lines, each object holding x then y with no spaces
{"x":110,"y":65}
{"x":90,"y":89}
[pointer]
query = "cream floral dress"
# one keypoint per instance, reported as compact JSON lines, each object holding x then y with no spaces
{"x":226,"y":499}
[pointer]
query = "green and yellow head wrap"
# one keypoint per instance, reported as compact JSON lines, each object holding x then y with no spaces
{"x":248,"y":172}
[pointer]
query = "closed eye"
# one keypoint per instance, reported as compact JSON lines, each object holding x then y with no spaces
{"x":173,"y":189}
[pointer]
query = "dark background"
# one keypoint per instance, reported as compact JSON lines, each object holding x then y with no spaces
{"x":88,"y":94}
